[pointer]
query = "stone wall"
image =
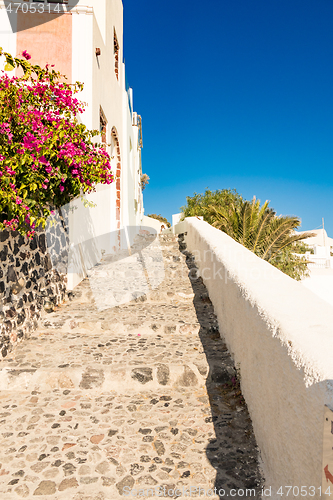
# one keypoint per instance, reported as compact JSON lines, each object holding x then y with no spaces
{"x":33,"y":276}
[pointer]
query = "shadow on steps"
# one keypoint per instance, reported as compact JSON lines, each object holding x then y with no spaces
{"x":233,"y":452}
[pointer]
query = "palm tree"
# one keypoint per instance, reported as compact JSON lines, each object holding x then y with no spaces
{"x":257,"y":228}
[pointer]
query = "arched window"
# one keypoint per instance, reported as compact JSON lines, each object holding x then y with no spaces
{"x":116,"y":54}
{"x":102,"y":126}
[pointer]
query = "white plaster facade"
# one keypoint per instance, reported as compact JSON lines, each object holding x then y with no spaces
{"x":320,"y":279}
{"x":155,"y":224}
{"x":89,"y":54}
{"x":322,"y":246}
{"x":280,"y":336}
{"x":320,"y":282}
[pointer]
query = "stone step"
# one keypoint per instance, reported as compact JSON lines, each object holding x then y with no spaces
{"x":122,"y":344}
{"x":141,"y":395}
{"x":100,"y":301}
{"x":76,"y":446}
{"x":115,"y":378}
{"x":143,"y":276}
{"x":132,"y":315}
{"x":155,"y":325}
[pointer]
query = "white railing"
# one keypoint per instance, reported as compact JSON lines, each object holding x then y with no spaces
{"x":319,"y":263}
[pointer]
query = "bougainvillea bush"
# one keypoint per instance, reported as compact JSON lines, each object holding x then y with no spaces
{"x":47,"y":157}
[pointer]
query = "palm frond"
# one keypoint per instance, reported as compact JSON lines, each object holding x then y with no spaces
{"x":293,"y":238}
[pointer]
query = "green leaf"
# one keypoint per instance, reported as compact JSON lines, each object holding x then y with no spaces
{"x":9,"y":67}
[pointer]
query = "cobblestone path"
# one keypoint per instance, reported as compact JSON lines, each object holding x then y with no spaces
{"x":141,"y":396}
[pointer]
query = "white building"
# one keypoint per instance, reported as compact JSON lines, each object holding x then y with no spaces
{"x":320,"y":279}
{"x":86,"y":44}
{"x":322,"y":247}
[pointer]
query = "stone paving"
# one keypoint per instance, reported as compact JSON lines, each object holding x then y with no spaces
{"x":140,"y":397}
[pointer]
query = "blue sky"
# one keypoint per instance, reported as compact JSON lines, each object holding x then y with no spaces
{"x":235,"y":94}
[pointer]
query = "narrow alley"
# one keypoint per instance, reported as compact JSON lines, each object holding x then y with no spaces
{"x":137,"y":399}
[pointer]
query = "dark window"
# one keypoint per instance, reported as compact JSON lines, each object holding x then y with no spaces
{"x":116,"y":54}
{"x":102,"y":125}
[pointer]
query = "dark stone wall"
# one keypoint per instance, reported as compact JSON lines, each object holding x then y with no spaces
{"x":33,"y":276}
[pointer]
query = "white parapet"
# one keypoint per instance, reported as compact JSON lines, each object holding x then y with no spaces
{"x":153,"y":223}
{"x":176,"y":218}
{"x":281,"y":337}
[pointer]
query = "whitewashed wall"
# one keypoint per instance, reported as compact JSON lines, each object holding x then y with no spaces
{"x":281,"y":337}
{"x":94,"y":230}
{"x":153,"y":223}
{"x":7,"y":40}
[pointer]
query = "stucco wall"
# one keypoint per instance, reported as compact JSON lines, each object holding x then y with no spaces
{"x":91,"y":25}
{"x":280,"y":335}
{"x":47,"y":43}
{"x":154,"y":223}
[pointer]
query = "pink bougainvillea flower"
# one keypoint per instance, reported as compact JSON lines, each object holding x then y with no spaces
{"x":43,"y":160}
{"x":49,"y":145}
{"x":29,"y":141}
{"x":26,"y":55}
